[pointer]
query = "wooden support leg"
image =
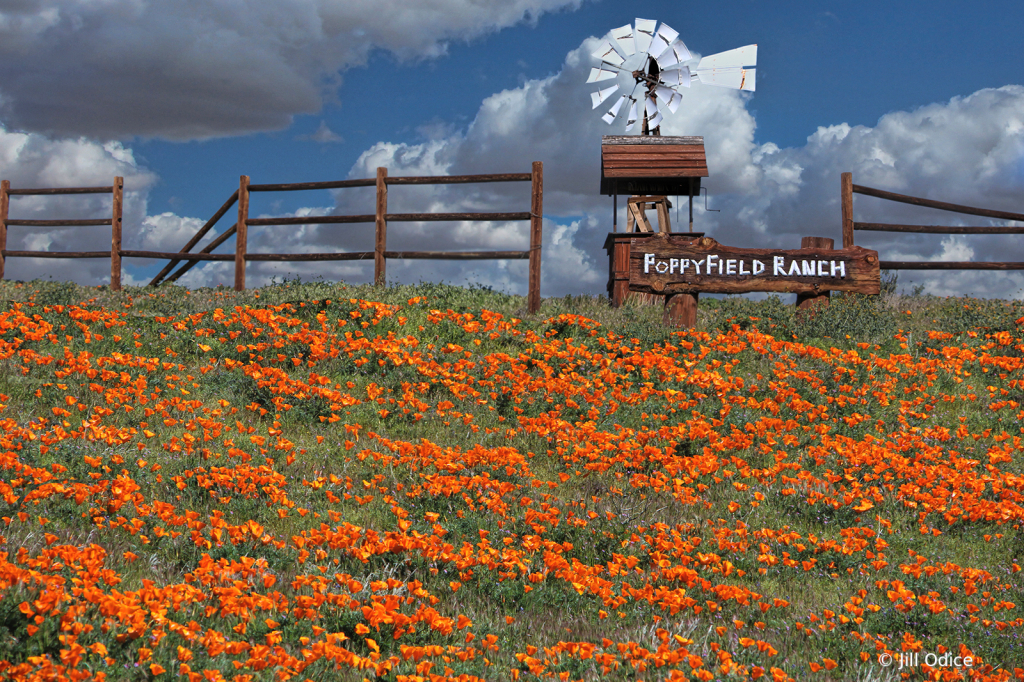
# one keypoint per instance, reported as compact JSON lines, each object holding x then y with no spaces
{"x":808,"y":304}
{"x":681,"y":311}
{"x":638,"y":216}
{"x":664,"y":220}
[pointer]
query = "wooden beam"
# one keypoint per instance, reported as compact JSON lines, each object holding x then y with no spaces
{"x":241,"y":232}
{"x":459,"y":255}
{"x":941,"y":205}
{"x":5,"y":188}
{"x":846,"y":199}
{"x":196,"y":237}
{"x":207,"y":249}
{"x":437,"y":217}
{"x":400,"y":180}
{"x":637,"y":141}
{"x":940,"y":229}
{"x":390,"y":217}
{"x":662,"y":264}
{"x":947,"y":265}
{"x":639,"y":216}
{"x":56,"y":254}
{"x":115,"y":234}
{"x":680,"y":310}
{"x":294,"y":186}
{"x":459,"y":179}
{"x":178,"y":256}
{"x":285,"y":257}
{"x":63,"y":190}
{"x":536,"y":225}
{"x":312,"y":220}
{"x":664,"y":226}
{"x":59,"y":222}
{"x":381,"y":228}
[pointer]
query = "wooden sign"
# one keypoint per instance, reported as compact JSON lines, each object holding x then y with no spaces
{"x":663,"y":264}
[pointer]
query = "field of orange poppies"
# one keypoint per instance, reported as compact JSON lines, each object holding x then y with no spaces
{"x":332,"y":483}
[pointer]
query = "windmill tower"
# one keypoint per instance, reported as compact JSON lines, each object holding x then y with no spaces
{"x":650,"y":61}
{"x":650,"y":167}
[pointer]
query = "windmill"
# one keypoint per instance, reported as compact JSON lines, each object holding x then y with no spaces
{"x":651,"y":61}
{"x":656,"y":60}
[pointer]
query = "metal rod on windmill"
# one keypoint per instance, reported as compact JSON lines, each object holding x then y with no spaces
{"x":650,"y":61}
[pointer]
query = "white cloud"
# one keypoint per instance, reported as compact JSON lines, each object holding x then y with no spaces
{"x":189,"y":70}
{"x":324,"y":135}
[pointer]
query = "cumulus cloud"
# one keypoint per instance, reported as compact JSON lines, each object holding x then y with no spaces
{"x":323,"y":135}
{"x":179,"y":69}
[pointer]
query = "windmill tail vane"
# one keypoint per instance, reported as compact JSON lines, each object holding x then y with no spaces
{"x":659,"y":59}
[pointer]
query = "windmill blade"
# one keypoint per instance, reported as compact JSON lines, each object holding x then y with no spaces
{"x":651,"y":108}
{"x":675,"y":78}
{"x":614,"y":111}
{"x":740,"y":57}
{"x":749,"y":80}
{"x":623,"y":37}
{"x":602,"y":95}
{"x":653,"y":123}
{"x":723,"y":78}
{"x":662,"y":39}
{"x":677,"y":53}
{"x":671,"y":98}
{"x":607,"y":54}
{"x":631,"y":119}
{"x":644,"y":34}
{"x":600,"y":75}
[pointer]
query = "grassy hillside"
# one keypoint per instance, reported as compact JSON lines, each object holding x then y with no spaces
{"x":320,"y":481}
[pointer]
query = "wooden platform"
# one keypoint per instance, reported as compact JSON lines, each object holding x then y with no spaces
{"x":652,"y":165}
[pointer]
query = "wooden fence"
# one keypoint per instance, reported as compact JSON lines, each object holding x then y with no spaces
{"x":848,"y":189}
{"x":240,"y":229}
{"x":116,"y":191}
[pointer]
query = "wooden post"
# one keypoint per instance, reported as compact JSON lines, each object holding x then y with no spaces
{"x":536,"y":224}
{"x":241,"y":232}
{"x":846,"y":199}
{"x":664,"y":216}
{"x":690,"y":204}
{"x":379,"y":263}
{"x":115,"y":234}
{"x":5,"y":187}
{"x":808,"y":303}
{"x":681,"y":311}
{"x":638,"y":216}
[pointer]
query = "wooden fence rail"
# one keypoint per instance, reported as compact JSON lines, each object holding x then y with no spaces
{"x":116,"y":190}
{"x":848,"y":189}
{"x":239,"y":230}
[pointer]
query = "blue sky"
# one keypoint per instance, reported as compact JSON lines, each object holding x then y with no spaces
{"x":918,"y":97}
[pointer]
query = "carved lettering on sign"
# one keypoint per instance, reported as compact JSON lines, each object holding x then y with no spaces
{"x":667,"y":264}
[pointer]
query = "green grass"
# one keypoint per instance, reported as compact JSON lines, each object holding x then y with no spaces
{"x":889,"y":325}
